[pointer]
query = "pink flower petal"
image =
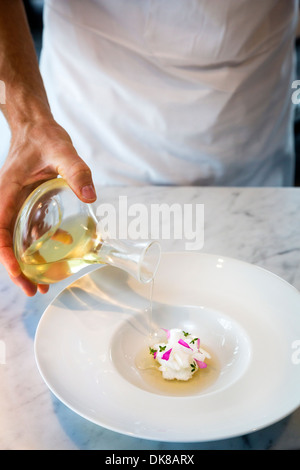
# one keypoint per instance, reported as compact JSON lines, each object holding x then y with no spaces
{"x":201,"y":364}
{"x":166,"y":355}
{"x":155,"y":354}
{"x":167,"y":332}
{"x":183,"y":343}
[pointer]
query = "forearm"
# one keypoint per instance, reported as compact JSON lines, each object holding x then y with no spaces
{"x":25,"y":96}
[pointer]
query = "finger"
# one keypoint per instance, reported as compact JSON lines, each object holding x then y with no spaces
{"x":43,"y":288}
{"x":25,"y":284}
{"x":77,"y":174}
{"x":7,"y":256}
{"x":12,"y":266}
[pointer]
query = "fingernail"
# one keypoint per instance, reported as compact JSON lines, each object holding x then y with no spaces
{"x":88,"y":192}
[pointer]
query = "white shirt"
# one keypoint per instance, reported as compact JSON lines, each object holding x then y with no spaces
{"x":175,"y":91}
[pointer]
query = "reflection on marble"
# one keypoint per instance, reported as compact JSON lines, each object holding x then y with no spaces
{"x":257,"y":225}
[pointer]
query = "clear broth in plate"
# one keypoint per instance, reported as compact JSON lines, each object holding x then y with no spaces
{"x":201,"y":380}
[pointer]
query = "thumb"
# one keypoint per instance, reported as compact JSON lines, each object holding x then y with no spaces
{"x":78,"y":176}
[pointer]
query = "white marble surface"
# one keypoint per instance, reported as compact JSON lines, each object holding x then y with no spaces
{"x":257,"y":225}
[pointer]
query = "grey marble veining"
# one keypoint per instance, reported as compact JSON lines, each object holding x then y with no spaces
{"x":257,"y":225}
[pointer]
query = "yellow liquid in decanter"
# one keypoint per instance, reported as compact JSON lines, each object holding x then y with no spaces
{"x":71,"y":247}
{"x":56,"y":235}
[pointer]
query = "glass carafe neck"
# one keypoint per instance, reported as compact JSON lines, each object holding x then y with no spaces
{"x":139,"y":259}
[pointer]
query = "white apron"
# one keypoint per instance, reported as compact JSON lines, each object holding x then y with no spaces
{"x":174,"y":92}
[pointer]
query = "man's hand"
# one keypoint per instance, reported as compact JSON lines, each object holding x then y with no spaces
{"x":38,"y":152}
{"x":40,"y":149}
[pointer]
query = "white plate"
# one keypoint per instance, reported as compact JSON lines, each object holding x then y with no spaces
{"x":249,"y":319}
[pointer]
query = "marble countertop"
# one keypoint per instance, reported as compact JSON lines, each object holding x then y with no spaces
{"x":257,"y":225}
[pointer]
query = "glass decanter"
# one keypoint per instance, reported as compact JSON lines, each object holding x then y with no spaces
{"x":56,"y":235}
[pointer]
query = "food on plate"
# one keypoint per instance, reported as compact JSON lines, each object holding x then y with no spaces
{"x":179,"y":355}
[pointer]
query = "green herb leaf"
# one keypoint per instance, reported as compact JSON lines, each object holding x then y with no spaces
{"x":162,"y":348}
{"x":152,"y":351}
{"x":193,"y":340}
{"x":185,"y":333}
